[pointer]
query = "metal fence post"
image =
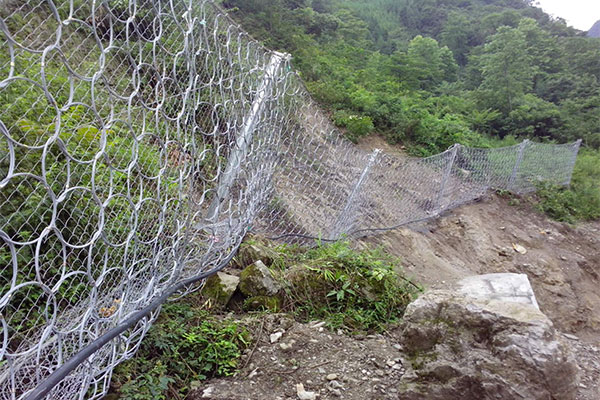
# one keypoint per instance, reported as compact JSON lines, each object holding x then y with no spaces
{"x":515,"y":171}
{"x":345,"y":218}
{"x":573,"y":161}
{"x":240,"y":150}
{"x":446,"y":176}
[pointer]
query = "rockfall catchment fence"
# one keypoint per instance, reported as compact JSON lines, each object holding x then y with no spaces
{"x":140,"y":141}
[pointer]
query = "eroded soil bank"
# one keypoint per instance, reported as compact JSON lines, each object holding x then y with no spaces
{"x":495,"y":234}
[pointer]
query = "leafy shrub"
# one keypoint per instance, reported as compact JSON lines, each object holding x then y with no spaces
{"x":186,"y":344}
{"x":581,"y":201}
{"x":359,"y":127}
{"x":356,"y":126}
{"x":352,"y":290}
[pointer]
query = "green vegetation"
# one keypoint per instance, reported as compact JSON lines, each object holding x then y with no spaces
{"x":472,"y":67}
{"x":186,"y":344}
{"x":356,"y":291}
{"x":430,"y":73}
{"x":582,"y":200}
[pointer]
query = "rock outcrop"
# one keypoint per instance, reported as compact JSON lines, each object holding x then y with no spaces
{"x":255,"y":251}
{"x":485,"y":338}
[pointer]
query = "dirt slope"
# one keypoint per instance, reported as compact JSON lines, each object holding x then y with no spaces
{"x":562,"y":262}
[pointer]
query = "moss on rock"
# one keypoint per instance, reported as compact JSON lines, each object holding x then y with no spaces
{"x":263,"y":303}
{"x":219,"y":288}
{"x":257,"y":280}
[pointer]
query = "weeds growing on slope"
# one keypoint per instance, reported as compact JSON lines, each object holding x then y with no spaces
{"x":356,"y":291}
{"x":581,"y":201}
{"x":186,"y":344}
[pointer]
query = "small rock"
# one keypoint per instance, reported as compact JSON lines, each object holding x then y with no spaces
{"x":274,"y":337}
{"x":259,"y":303}
{"x":410,"y":376}
{"x":504,"y":252}
{"x":397,"y":347}
{"x":335,"y":385}
{"x":569,"y":336}
{"x":253,"y":373}
{"x":336,"y":392}
{"x":303,"y":394}
{"x":219,"y":288}
{"x":257,"y":280}
{"x":250,"y":253}
{"x":287,"y":346}
{"x":332,"y":377}
{"x":208,"y":392}
{"x":390,"y":363}
{"x":563,"y":258}
{"x":519,"y":249}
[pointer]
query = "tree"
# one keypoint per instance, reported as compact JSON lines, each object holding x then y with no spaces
{"x":458,"y":35}
{"x":507,"y":70}
{"x":425,"y":65}
{"x":352,"y":28}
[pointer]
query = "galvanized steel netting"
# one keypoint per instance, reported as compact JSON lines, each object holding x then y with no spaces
{"x":141,"y":140}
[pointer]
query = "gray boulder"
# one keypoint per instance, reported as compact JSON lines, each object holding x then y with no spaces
{"x":257,"y":280}
{"x":219,"y":288}
{"x":255,"y":251}
{"x":485,"y":338}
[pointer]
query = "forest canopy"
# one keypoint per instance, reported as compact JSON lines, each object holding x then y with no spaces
{"x":429,"y":73}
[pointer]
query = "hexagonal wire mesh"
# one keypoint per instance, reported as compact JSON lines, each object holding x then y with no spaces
{"x":141,"y":140}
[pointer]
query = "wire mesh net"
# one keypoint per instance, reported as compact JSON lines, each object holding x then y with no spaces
{"x":141,"y":140}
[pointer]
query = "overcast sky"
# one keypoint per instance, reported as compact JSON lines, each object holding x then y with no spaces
{"x":578,"y":13}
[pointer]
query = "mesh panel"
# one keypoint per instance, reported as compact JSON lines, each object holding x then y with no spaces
{"x":141,"y":140}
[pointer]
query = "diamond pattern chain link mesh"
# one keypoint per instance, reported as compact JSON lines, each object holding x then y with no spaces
{"x":140,"y":140}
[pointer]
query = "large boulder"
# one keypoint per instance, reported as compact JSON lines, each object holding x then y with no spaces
{"x":219,"y":288}
{"x":257,"y":280}
{"x":253,"y":251}
{"x":485,"y":338}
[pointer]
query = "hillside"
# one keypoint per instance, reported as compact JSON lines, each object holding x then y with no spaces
{"x":433,"y":72}
{"x":428,"y":74}
{"x":594,"y":31}
{"x":144,"y":141}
